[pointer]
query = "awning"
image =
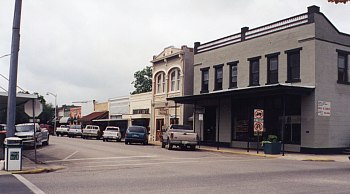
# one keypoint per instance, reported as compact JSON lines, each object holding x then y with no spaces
{"x":64,"y":120}
{"x":267,"y":90}
{"x":93,"y":116}
{"x":20,"y":98}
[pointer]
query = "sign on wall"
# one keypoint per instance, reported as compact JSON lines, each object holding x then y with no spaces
{"x":324,"y":109}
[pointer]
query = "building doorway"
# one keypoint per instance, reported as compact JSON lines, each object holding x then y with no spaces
{"x":209,"y":132}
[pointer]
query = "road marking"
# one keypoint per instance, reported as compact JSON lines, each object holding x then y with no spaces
{"x":171,"y":162}
{"x":103,"y":158}
{"x":30,"y":185}
{"x":70,"y":155}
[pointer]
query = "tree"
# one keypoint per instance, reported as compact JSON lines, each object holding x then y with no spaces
{"x":338,"y":1}
{"x":143,"y":80}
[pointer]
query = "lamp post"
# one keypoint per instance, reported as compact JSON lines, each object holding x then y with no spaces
{"x":55,"y":95}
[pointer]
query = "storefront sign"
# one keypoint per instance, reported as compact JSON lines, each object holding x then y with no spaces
{"x":324,"y":108}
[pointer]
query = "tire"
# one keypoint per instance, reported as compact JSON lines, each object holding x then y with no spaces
{"x":103,"y":139}
{"x":170,"y":145}
{"x":126,"y":143}
{"x":193,"y":147}
{"x":57,"y":134}
{"x":163,"y":145}
{"x":119,"y":140}
{"x":145,"y":142}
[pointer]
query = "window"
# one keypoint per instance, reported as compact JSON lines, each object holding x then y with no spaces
{"x":272,"y":68}
{"x":218,"y":77}
{"x":175,"y":80}
{"x":233,"y":74}
{"x":160,"y":83}
{"x":293,"y":65}
{"x":205,"y":80}
{"x":343,"y":67}
{"x":254,"y":71}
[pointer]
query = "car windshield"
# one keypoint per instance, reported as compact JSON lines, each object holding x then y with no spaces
{"x":137,"y":129}
{"x":184,"y":127}
{"x":112,"y":129}
{"x":24,"y":128}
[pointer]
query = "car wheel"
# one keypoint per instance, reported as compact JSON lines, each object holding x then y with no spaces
{"x":193,"y":147}
{"x":145,"y":142}
{"x":103,"y":139}
{"x":126,"y":143}
{"x":57,"y":134}
{"x":170,"y":145}
{"x":163,"y":145}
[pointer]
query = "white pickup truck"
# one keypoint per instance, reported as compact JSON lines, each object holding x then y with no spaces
{"x":112,"y":133}
{"x":62,"y":130}
{"x":179,"y":135}
{"x":26,"y":133}
{"x":91,"y":131}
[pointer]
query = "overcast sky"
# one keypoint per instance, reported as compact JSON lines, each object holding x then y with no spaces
{"x":89,"y":49}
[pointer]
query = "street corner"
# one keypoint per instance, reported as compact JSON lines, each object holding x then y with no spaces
{"x":238,"y":152}
{"x":38,"y":170}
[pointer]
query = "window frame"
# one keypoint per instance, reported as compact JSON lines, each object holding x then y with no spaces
{"x":291,"y":67}
{"x":251,"y":74}
{"x":160,"y":82}
{"x":231,"y":65}
{"x":269,"y":72}
{"x":218,"y":80}
{"x":345,"y":79}
{"x":204,"y":70}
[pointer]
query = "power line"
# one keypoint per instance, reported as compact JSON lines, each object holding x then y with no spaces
{"x":8,"y":80}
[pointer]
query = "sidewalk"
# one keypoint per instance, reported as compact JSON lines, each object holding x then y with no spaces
{"x":287,"y":155}
{"x":30,"y":167}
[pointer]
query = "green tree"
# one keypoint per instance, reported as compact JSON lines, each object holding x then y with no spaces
{"x":143,"y":80}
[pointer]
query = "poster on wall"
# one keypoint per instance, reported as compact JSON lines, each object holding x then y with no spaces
{"x":324,"y":109}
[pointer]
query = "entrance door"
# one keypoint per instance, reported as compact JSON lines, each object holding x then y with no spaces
{"x":159,"y":126}
{"x":209,"y":131}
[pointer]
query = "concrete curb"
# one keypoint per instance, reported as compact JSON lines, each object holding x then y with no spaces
{"x":38,"y":170}
{"x":239,"y":153}
{"x":318,"y":160}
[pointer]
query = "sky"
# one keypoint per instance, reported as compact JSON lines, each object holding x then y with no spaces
{"x":86,"y":50}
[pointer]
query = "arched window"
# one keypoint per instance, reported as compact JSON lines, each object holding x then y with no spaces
{"x":160,"y":83}
{"x":174,"y":80}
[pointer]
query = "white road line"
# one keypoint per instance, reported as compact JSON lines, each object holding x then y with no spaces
{"x":103,"y":158}
{"x":172,"y":162}
{"x":70,"y":155}
{"x":30,"y":185}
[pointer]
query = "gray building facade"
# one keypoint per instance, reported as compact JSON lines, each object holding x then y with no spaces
{"x":296,"y":70}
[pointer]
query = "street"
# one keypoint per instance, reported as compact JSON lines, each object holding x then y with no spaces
{"x":93,"y":166}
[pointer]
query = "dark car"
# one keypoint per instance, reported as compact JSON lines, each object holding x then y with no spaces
{"x":136,"y":134}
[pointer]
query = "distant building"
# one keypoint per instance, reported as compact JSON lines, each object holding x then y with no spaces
{"x":296,"y":70}
{"x":172,"y":75}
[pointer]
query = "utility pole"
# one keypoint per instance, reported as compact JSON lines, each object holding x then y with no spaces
{"x":11,"y":102}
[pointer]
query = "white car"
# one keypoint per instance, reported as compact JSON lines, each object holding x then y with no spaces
{"x":74,"y":130}
{"x":112,"y":133}
{"x":26,"y":133}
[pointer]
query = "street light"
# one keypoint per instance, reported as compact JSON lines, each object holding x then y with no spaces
{"x":55,"y":95}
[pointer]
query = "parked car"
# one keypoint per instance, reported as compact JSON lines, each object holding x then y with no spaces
{"x":112,"y":133}
{"x":179,"y":135}
{"x":74,"y":130}
{"x":91,"y":131}
{"x":26,"y":133}
{"x":136,"y":134}
{"x":62,"y":130}
{"x":48,"y":127}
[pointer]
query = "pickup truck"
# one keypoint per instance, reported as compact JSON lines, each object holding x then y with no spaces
{"x":62,"y":130}
{"x":74,"y":130}
{"x":26,"y":133}
{"x":112,"y":133}
{"x":179,"y":135}
{"x":91,"y":131}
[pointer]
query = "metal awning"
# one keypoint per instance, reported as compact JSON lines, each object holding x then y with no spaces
{"x":267,"y":90}
{"x":64,"y":120}
{"x":20,"y":98}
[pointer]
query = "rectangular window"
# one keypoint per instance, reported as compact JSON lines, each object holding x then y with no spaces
{"x":218,"y":77}
{"x":272,"y":68}
{"x":205,"y":80}
{"x":233,"y":74}
{"x":254,"y":71}
{"x":293,"y":65}
{"x":343,"y":67}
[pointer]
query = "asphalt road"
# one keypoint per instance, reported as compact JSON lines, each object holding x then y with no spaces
{"x":93,"y":166}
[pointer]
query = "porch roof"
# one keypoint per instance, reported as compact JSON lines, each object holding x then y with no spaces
{"x":257,"y":91}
